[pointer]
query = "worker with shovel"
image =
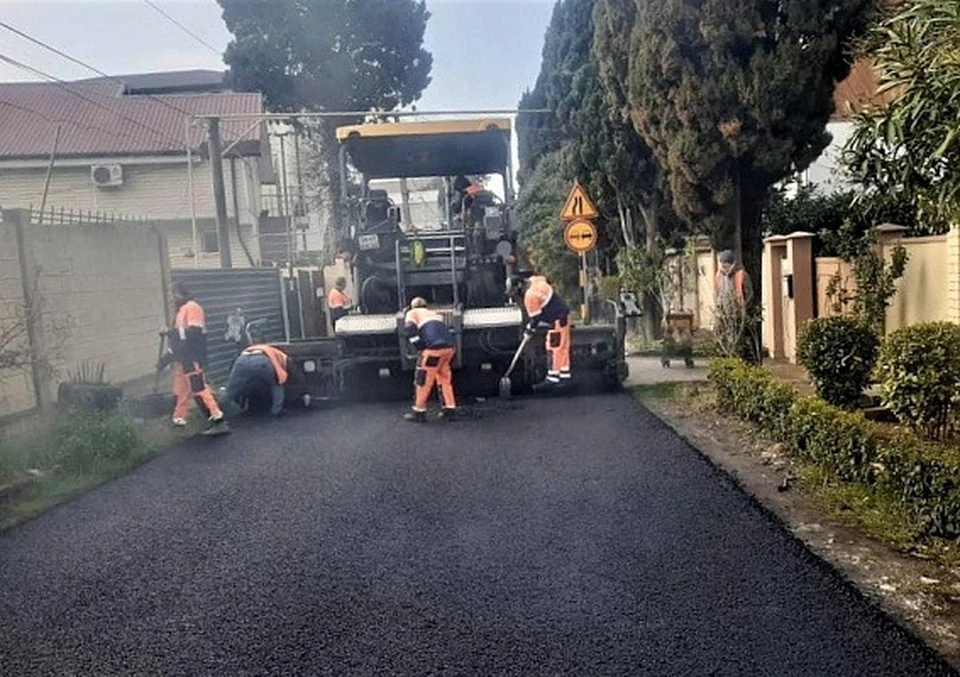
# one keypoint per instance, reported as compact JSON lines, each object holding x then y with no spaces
{"x":188,"y":354}
{"x":428,"y":333}
{"x":546,"y":310}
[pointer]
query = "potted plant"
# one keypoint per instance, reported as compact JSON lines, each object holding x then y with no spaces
{"x":88,"y":389}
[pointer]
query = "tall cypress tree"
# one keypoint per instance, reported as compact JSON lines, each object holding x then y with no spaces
{"x":733,"y":96}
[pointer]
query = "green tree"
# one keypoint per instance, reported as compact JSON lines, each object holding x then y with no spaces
{"x":328,"y":55}
{"x":733,"y":96}
{"x":541,"y":232}
{"x":910,"y":146}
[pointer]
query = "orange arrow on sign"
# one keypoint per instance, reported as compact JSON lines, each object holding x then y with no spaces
{"x":580,"y":236}
{"x":578,"y":205}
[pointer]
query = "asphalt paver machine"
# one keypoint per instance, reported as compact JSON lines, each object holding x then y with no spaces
{"x":430,"y":208}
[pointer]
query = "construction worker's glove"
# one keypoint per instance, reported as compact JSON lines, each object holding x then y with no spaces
{"x":528,"y":332}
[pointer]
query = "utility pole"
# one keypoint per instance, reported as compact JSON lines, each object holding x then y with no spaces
{"x":219,"y":193}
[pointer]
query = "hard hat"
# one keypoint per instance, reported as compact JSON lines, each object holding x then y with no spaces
{"x":418,"y":302}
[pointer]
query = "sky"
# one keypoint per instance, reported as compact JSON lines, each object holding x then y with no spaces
{"x":486,"y":52}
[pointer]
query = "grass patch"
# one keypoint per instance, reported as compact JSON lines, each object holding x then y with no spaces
{"x":872,"y":512}
{"x":71,"y":454}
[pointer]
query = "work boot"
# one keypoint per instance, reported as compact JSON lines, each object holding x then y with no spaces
{"x":415,"y":416}
{"x":545,"y":385}
{"x":447,"y":415}
{"x":180,"y":422}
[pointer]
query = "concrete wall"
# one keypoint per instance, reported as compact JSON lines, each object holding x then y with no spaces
{"x":920,"y":293}
{"x":929,"y":290}
{"x":100,"y":290}
{"x":16,"y":387}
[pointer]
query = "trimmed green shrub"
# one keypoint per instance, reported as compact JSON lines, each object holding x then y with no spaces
{"x":924,"y":477}
{"x":919,"y":370}
{"x":839,"y":353}
{"x":838,"y":441}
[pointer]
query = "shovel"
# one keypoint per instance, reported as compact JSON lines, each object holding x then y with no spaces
{"x":506,"y":386}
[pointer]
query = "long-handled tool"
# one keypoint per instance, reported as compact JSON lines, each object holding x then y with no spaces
{"x":506,"y":386}
{"x":156,"y":377}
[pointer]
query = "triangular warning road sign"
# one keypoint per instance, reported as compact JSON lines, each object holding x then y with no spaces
{"x":578,"y":206}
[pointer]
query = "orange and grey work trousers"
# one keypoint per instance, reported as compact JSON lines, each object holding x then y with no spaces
{"x":193,"y":383}
{"x":558,"y":348}
{"x":434,"y":368}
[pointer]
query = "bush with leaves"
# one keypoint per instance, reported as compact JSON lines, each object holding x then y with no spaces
{"x":924,"y":477}
{"x":919,"y":370}
{"x":86,"y":441}
{"x":839,"y":353}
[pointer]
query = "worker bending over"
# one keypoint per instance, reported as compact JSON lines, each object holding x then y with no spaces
{"x":188,"y":353}
{"x":546,"y":310}
{"x":259,"y":374}
{"x":338,"y":303}
{"x":428,"y":333}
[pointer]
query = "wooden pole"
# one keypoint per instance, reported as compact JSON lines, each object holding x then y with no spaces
{"x":220,"y":194}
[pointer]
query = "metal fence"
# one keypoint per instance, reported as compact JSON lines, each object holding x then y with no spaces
{"x":233,"y":297}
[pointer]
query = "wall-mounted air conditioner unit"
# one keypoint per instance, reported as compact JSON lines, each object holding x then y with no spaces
{"x":105,"y":176}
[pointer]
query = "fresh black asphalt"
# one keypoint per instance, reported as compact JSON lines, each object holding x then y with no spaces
{"x":545,"y":537}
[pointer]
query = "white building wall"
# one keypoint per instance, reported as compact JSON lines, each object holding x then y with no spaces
{"x":159,"y":193}
{"x":153,"y":191}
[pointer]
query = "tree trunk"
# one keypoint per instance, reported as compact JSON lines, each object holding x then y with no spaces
{"x":751,"y":206}
{"x":652,"y":311}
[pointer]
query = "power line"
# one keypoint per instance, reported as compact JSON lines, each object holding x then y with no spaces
{"x":185,"y":29}
{"x":63,"y":85}
{"x":72,"y":59}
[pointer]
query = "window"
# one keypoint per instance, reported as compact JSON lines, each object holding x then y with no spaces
{"x":210,"y":244}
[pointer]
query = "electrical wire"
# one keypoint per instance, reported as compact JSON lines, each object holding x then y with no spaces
{"x":184,"y":28}
{"x":72,"y":59}
{"x":64,"y":85}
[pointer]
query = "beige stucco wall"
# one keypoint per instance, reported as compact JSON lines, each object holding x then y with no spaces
{"x":921,"y":292}
{"x":101,"y":293}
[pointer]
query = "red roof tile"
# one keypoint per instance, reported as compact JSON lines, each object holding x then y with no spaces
{"x":859,"y":91}
{"x":97,"y":119}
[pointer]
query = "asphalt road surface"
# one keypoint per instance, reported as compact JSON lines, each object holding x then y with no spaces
{"x":544,"y":537}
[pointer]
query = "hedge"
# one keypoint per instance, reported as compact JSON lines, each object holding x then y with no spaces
{"x":923,"y":476}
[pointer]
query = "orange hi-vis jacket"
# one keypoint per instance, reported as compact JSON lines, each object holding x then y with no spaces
{"x":188,"y":340}
{"x":426,"y":329}
{"x":277,"y":358}
{"x":337,"y":299}
{"x":543,"y":305}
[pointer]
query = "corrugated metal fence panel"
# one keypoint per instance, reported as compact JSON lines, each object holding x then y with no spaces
{"x":255,"y":291}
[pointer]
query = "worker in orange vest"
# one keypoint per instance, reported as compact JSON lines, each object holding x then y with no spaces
{"x":733,"y":280}
{"x":546,"y":310}
{"x":428,"y":333}
{"x":188,"y":354}
{"x":259,"y":372}
{"x":338,"y":303}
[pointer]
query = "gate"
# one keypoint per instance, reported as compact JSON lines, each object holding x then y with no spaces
{"x":231,"y":295}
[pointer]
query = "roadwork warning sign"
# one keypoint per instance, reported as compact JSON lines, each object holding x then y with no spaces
{"x":578,"y":206}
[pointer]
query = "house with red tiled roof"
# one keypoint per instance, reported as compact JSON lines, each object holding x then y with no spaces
{"x":122,"y":148}
{"x":858,"y":91}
